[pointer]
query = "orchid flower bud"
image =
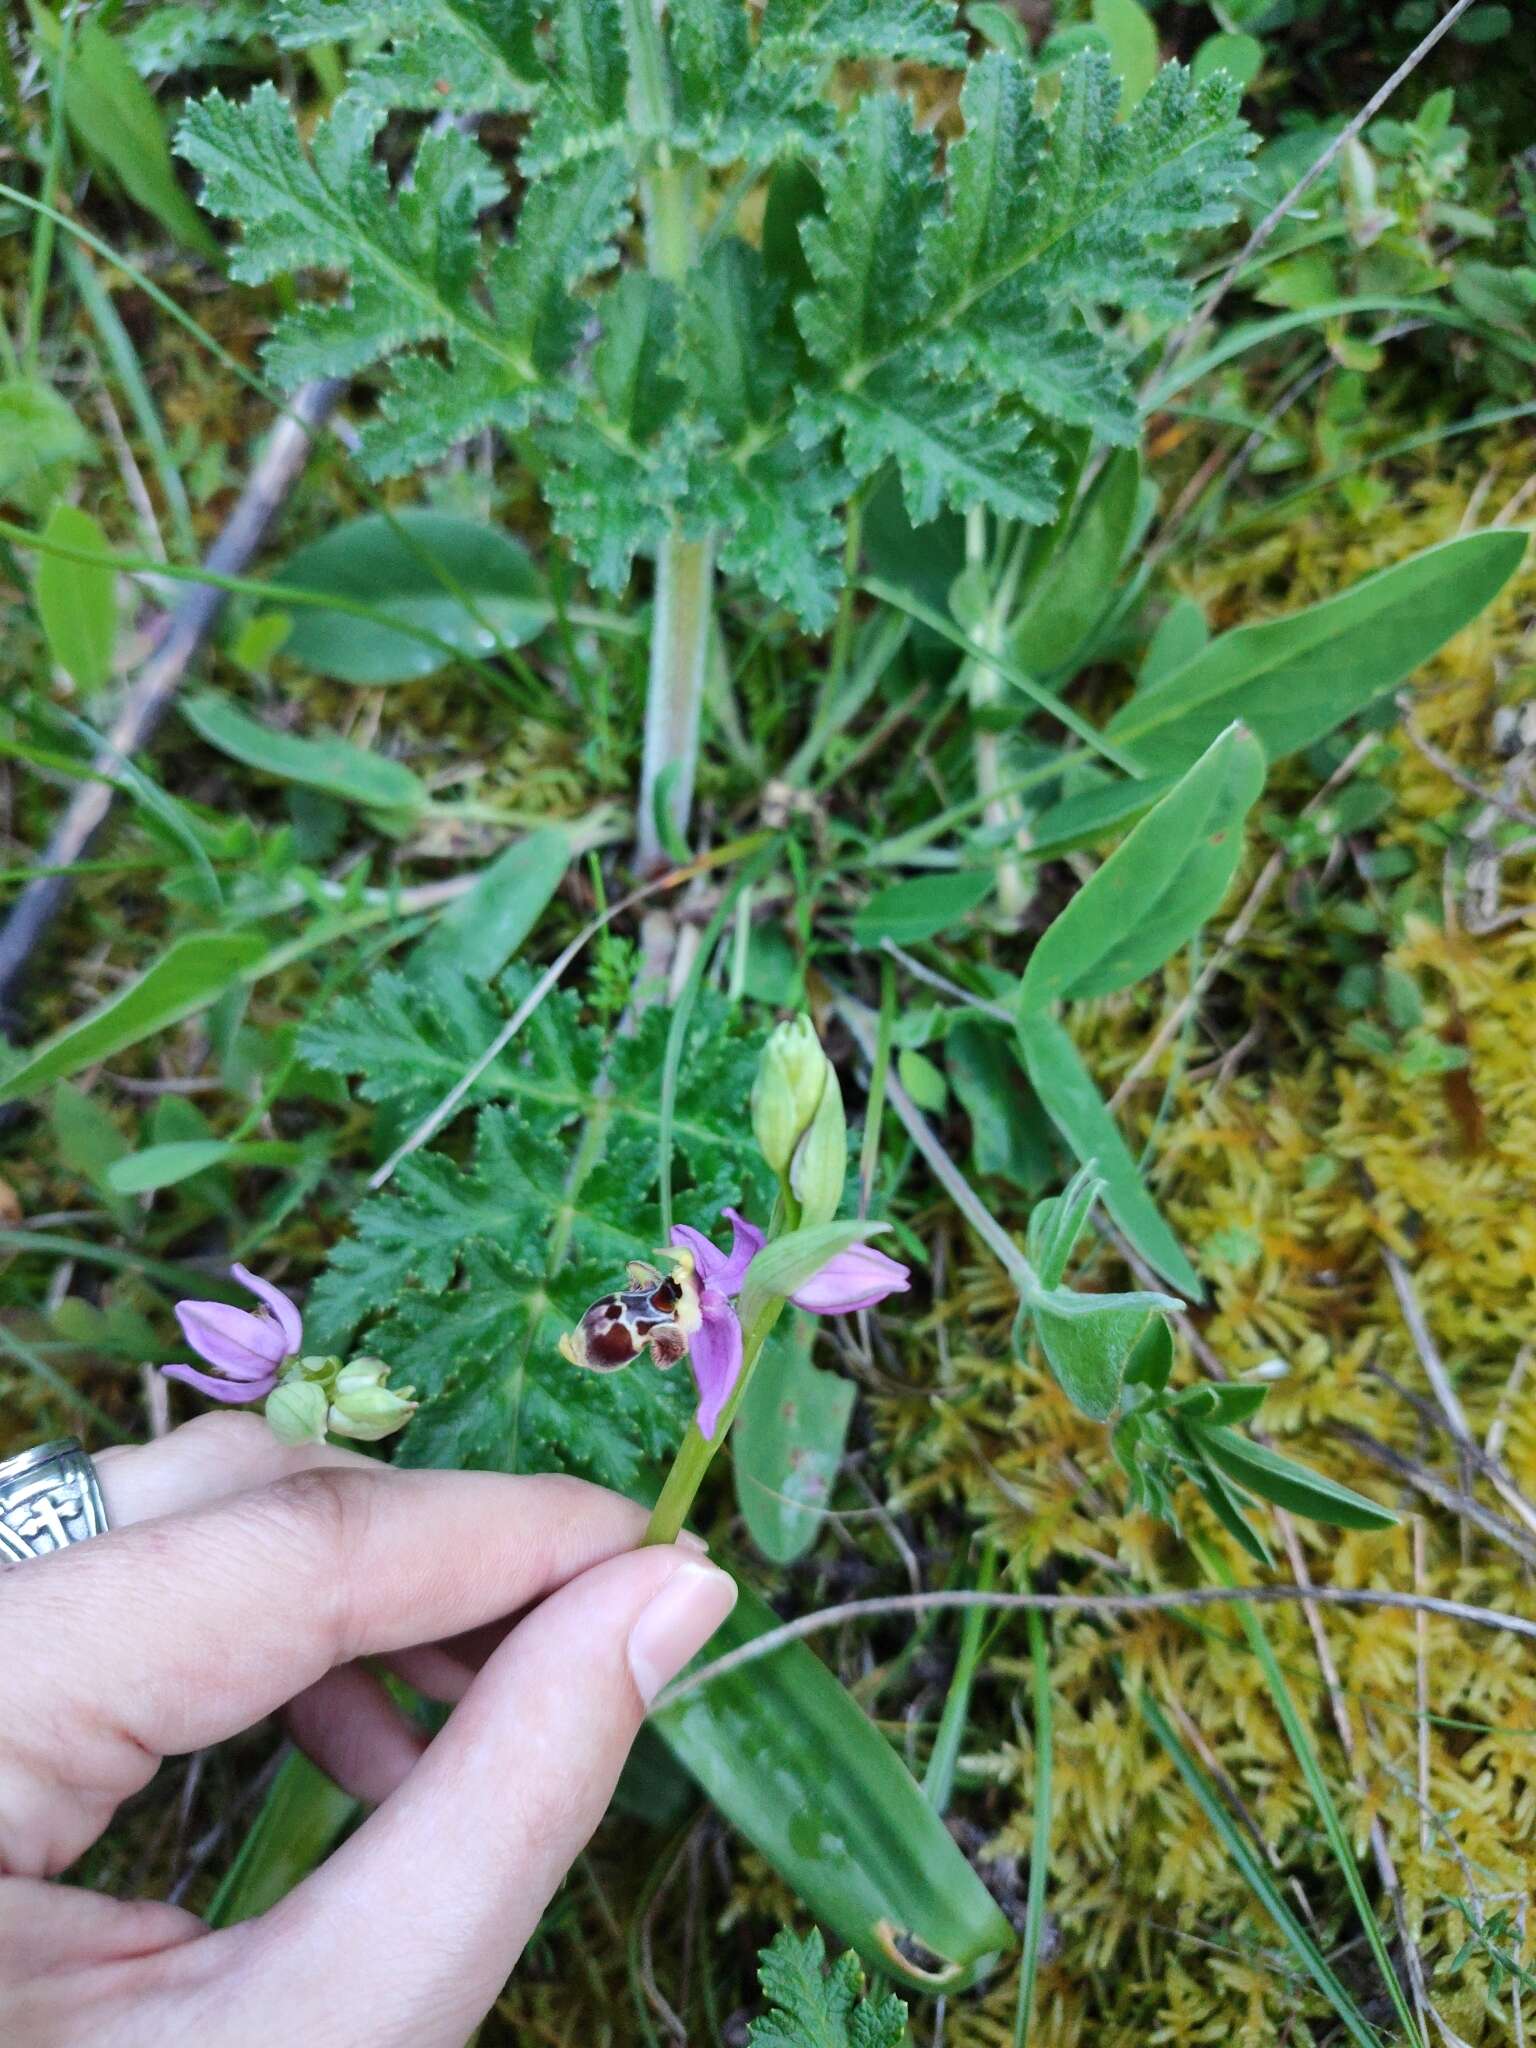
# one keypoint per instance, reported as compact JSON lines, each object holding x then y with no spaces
{"x":820,"y":1163}
{"x":295,"y":1412}
{"x":791,"y":1079}
{"x":363,"y":1407}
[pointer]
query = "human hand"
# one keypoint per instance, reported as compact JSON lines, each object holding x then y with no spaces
{"x":239,"y":1576}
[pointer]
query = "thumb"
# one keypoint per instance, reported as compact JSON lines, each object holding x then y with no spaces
{"x":404,"y":1938}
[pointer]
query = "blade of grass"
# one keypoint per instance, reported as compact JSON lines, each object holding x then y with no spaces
{"x":1040,"y":1836}
{"x":42,"y":245}
{"x":939,"y":1778}
{"x":1317,"y":1784}
{"x":35,"y":1363}
{"x":1258,"y":1879}
{"x":1043,"y":699}
{"x":123,"y":357}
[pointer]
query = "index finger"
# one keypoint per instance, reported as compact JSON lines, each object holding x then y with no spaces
{"x":167,"y":1636}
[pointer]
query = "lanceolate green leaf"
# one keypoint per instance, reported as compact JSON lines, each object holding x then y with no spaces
{"x":186,"y":978}
{"x":77,"y":600}
{"x":114,"y":114}
{"x":1291,"y":680}
{"x":327,"y":763}
{"x":910,"y":911}
{"x":799,"y":1769}
{"x":1074,"y":1105}
{"x":1158,"y":886}
{"x":1288,"y":1484}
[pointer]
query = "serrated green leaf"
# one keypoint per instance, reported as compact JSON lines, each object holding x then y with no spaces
{"x":910,"y":31}
{"x":436,"y":56}
{"x":863,"y":251}
{"x":464,"y":1276}
{"x":820,"y":2007}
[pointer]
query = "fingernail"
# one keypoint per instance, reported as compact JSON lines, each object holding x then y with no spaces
{"x":676,"y":1625}
{"x":691,"y":1542}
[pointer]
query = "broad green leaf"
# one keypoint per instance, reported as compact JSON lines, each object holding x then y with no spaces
{"x":468,"y":584}
{"x":1288,"y":1484}
{"x":1088,"y":1341}
{"x":1294,"y":679}
{"x":40,"y":438}
{"x":114,"y":115}
{"x":484,"y":929}
{"x":1128,"y":29}
{"x":77,"y":601}
{"x":910,"y":911}
{"x":1075,"y":591}
{"x":328,"y":763}
{"x":1075,"y":1106}
{"x":185,"y":979}
{"x":1157,"y":888}
{"x":798,"y":1768}
{"x":788,"y":1442}
{"x":1240,"y":56}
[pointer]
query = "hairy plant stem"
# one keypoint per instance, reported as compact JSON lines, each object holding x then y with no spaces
{"x":1001,"y":808}
{"x":685,"y":568}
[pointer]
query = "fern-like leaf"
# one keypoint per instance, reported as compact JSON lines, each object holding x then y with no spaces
{"x":817,"y":2007}
{"x":463,"y":1276}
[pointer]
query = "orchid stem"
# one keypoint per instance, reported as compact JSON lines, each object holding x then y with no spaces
{"x":680,"y":1489}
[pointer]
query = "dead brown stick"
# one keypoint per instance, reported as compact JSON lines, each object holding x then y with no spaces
{"x":277,"y":469}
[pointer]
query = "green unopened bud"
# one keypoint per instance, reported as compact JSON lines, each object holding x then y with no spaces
{"x":295,"y":1412}
{"x":363,"y":1407}
{"x":791,"y":1079}
{"x":820,"y":1164}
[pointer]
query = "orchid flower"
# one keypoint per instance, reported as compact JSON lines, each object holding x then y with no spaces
{"x":691,"y":1313}
{"x":247,"y":1352}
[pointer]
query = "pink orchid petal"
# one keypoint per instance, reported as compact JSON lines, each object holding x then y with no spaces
{"x":708,"y":1259}
{"x":221,"y":1390}
{"x":725,"y":1273}
{"x":851,"y":1280}
{"x":746,"y":1242}
{"x":287,"y":1317}
{"x":243,"y":1346}
{"x":715,"y":1356}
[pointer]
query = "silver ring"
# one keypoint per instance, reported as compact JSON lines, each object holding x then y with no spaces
{"x":49,"y":1497}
